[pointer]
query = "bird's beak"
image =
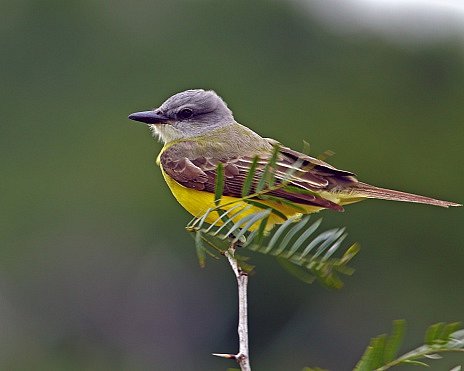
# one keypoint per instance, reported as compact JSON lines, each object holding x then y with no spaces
{"x":148,"y":117}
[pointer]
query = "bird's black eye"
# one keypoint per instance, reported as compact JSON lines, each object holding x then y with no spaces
{"x":185,"y":113}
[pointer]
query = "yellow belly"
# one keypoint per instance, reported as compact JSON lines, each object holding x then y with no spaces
{"x":198,"y":202}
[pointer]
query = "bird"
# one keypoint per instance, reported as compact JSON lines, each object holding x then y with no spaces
{"x":199,"y":132}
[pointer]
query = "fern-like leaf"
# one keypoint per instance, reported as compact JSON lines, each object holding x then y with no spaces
{"x":219,"y":184}
{"x":267,"y":178}
{"x":293,"y":243}
{"x":382,"y":352}
{"x":303,"y":256}
{"x":247,"y":184}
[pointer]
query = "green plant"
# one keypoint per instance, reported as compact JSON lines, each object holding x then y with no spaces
{"x":306,"y":255}
{"x":293,"y":242}
{"x":382,"y":352}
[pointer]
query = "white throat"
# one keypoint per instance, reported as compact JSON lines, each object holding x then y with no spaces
{"x":166,"y":133}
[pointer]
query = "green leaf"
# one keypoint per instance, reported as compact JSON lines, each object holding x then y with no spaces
{"x":244,"y":223}
{"x":306,"y":268}
{"x":334,"y":246}
{"x":229,"y":223}
{"x":193,"y":224}
{"x":303,"y":237}
{"x":349,"y":254}
{"x":448,"y":330}
{"x":288,"y":237}
{"x":262,"y":181}
{"x":296,"y":271}
{"x":248,"y":182}
{"x":332,"y":236}
{"x":222,"y":217}
{"x":200,"y":250}
{"x":324,"y":239}
{"x":394,"y":341}
{"x":272,"y":164}
{"x":283,"y":201}
{"x":433,"y":332}
{"x":302,"y":191}
{"x":260,"y":232}
{"x":265,"y":206}
{"x":267,"y":176}
{"x":306,"y":148}
{"x":280,"y":230}
{"x":291,"y":171}
{"x":378,"y":345}
{"x":219,"y":184}
{"x":255,"y":218}
{"x":331,"y":281}
{"x":435,"y":335}
{"x":326,"y":154}
{"x":416,"y":363}
{"x":201,"y":220}
{"x":456,"y":340}
{"x":366,"y":360}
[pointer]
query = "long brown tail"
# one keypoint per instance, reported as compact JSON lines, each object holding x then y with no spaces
{"x":370,"y":191}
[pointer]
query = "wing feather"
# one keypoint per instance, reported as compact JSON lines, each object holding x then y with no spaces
{"x":307,"y":173}
{"x":304,"y":172}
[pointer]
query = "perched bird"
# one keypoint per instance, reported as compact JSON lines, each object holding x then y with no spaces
{"x":199,"y":131}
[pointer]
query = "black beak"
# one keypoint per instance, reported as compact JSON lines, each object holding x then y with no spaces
{"x":148,"y":117}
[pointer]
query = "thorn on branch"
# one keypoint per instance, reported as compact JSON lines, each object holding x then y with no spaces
{"x":240,"y":358}
{"x":225,"y":355}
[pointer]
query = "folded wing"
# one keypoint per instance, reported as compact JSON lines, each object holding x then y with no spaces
{"x":307,"y":174}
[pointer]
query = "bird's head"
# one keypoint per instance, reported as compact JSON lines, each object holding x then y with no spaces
{"x":188,"y":114}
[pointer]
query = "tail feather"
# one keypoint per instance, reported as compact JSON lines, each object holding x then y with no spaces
{"x":370,"y":191}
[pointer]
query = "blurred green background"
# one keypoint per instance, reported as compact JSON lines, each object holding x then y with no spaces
{"x":96,"y":271}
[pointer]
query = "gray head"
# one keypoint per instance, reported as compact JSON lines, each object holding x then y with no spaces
{"x":187,"y":114}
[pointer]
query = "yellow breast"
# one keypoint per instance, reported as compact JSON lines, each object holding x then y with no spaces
{"x":198,"y":202}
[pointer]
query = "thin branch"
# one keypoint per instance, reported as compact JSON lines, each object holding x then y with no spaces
{"x":242,"y":357}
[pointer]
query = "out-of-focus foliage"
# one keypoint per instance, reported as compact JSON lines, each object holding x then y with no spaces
{"x":382,"y":352}
{"x":96,"y":271}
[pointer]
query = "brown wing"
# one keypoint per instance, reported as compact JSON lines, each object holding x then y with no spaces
{"x":315,"y":166}
{"x":346,"y":181}
{"x":309,"y":174}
